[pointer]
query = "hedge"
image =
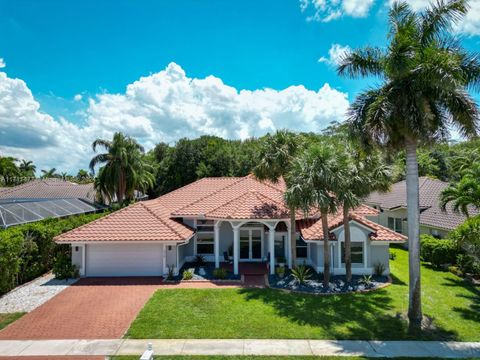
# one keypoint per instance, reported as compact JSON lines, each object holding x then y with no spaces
{"x":438,"y":251}
{"x":28,"y":251}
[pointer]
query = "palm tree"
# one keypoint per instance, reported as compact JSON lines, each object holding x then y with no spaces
{"x":362,"y":175}
{"x":313,"y":179}
{"x":47,"y":174}
{"x":277,"y":154}
{"x":8,"y":170}
{"x":425,"y":75}
{"x":464,"y":193}
{"x":27,"y":168}
{"x":125,"y":169}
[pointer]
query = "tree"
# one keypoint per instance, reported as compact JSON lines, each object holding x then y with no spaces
{"x":51,"y":173}
{"x":425,"y":75}
{"x":277,"y":155}
{"x":27,"y":168}
{"x":8,"y":170}
{"x":362,"y":174}
{"x":124,"y":170}
{"x":313,"y":180}
{"x":464,"y":193}
{"x":83,"y":175}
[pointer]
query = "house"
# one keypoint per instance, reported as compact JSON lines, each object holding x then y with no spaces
{"x":45,"y":198}
{"x":392,"y":208}
{"x":239,"y":217}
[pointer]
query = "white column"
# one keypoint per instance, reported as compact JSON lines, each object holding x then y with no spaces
{"x":289,"y":246}
{"x":216,"y":239}
{"x":365,"y":260}
{"x":83,"y":271}
{"x":271,"y":247}
{"x":164,"y":259}
{"x":236,"y":248}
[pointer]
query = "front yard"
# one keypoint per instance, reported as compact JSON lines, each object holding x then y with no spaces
{"x":6,"y":319}
{"x":267,"y":313}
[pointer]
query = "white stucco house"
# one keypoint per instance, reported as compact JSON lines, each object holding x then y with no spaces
{"x":239,"y":219}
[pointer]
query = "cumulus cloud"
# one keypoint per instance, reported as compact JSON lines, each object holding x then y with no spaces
{"x":164,"y":106}
{"x":470,"y":25}
{"x":328,"y":10}
{"x":2,"y":63}
{"x":335,"y":54}
{"x":78,"y":97}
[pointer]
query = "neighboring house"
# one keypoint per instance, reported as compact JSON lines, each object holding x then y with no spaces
{"x":392,"y":208}
{"x":219,"y":218}
{"x":45,"y":198}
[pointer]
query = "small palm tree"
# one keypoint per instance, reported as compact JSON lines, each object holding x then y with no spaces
{"x":362,"y":175}
{"x":314,"y":178}
{"x":51,"y":173}
{"x":425,"y":75}
{"x":277,"y":154}
{"x":27,"y":168}
{"x":464,"y":193}
{"x":8,"y":170}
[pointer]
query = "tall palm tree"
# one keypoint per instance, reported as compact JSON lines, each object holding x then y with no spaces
{"x":362,"y":174}
{"x":277,"y":154}
{"x":425,"y":75}
{"x":124,"y":169}
{"x":51,"y":173}
{"x":27,"y":168}
{"x":313,"y":179}
{"x":463,"y":193}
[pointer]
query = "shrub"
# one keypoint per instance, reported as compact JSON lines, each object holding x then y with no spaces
{"x":220,"y":273}
{"x":438,"y":251}
{"x":392,"y":255}
{"x":63,"y":267}
{"x":187,"y":275}
{"x":467,"y":238}
{"x":170,"y":272}
{"x":280,"y":271}
{"x":468,"y":264}
{"x":28,"y":251}
{"x":301,"y":274}
{"x":366,"y":281}
{"x":379,"y":268}
{"x":199,"y":260}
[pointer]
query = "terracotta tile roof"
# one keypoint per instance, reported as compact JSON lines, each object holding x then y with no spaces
{"x":429,"y":200}
{"x":49,"y":189}
{"x":220,"y":198}
{"x":143,"y":221}
{"x":311,"y":229}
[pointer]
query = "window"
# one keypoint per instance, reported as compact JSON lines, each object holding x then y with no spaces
{"x":301,"y":247}
{"x":395,"y":224}
{"x":205,"y":244}
{"x":205,"y":225}
{"x":356,"y":252}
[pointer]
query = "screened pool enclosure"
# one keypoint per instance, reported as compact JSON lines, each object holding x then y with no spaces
{"x":21,"y":211}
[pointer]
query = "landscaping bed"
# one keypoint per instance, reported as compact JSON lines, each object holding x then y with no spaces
{"x":203,"y":272}
{"x":337,"y":284}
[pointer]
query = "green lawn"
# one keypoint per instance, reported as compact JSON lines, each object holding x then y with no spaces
{"x":6,"y":319}
{"x":266,"y":313}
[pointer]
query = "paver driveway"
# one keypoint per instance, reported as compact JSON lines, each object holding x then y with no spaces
{"x":93,"y":308}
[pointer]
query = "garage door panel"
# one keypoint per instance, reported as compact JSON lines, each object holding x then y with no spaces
{"x":124,"y":260}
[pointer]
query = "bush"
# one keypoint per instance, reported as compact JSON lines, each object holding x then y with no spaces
{"x":28,"y":251}
{"x":301,"y":274}
{"x":187,"y":275}
{"x":220,"y":273}
{"x":199,"y":260}
{"x":468,"y":264}
{"x":170,"y":272}
{"x":437,"y":251}
{"x":63,"y":267}
{"x":467,"y":238}
{"x":392,"y":255}
{"x":280,"y":271}
{"x":379,"y":268}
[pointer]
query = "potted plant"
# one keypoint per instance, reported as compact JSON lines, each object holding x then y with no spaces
{"x":281,"y":272}
{"x":281,"y":261}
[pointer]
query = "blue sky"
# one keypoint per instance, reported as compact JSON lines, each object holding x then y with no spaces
{"x":78,"y":57}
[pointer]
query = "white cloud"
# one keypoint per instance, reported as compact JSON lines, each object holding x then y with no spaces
{"x":78,"y":97}
{"x":470,"y":25}
{"x":328,"y":10}
{"x":2,"y":63}
{"x":164,"y":106}
{"x":335,"y":54}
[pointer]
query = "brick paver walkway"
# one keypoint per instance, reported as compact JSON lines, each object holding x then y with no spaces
{"x":97,"y":308}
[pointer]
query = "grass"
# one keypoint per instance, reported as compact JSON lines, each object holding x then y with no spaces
{"x":179,"y":357}
{"x":453,"y":304}
{"x":6,"y":319}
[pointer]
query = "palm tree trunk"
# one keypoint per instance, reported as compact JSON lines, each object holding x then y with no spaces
{"x":326,"y":248}
{"x":413,"y":217}
{"x":348,"y":244}
{"x":293,"y":237}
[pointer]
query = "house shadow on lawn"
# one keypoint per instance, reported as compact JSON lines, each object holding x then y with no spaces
{"x":349,"y":316}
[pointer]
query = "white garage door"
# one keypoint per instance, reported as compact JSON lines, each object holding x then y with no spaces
{"x":124,"y":260}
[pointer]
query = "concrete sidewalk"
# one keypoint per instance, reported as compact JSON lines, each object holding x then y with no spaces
{"x":20,"y":348}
